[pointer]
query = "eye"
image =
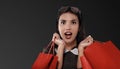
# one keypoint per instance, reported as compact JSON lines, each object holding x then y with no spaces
{"x":74,"y":22}
{"x":62,"y":22}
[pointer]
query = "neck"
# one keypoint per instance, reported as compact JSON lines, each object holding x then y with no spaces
{"x":69,"y":46}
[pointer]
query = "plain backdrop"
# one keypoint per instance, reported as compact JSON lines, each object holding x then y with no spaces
{"x":27,"y":26}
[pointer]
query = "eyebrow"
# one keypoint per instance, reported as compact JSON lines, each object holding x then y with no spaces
{"x":70,"y":20}
{"x":62,"y":20}
{"x":74,"y":20}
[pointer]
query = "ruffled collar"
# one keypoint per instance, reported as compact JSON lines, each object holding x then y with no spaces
{"x":73,"y":50}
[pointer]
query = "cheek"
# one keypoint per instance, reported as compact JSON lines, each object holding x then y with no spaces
{"x":76,"y":29}
{"x":60,"y":29}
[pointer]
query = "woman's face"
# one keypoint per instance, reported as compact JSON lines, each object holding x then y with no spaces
{"x":68,"y":27}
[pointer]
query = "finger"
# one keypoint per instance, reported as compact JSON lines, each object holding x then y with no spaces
{"x":57,"y":41}
{"x":87,"y":41}
{"x":55,"y":36}
{"x":90,"y":40}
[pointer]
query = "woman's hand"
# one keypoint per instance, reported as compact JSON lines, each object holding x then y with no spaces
{"x":86,"y":42}
{"x":57,"y":40}
{"x":60,"y":51}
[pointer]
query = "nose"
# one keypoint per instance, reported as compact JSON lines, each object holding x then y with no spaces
{"x":68,"y":26}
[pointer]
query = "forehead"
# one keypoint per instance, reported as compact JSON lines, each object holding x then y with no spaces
{"x":68,"y":16}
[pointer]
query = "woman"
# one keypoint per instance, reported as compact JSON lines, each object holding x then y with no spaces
{"x":70,"y":38}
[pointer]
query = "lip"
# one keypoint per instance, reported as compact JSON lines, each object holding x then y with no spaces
{"x":68,"y":33}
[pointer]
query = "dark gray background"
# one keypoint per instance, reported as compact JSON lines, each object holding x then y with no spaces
{"x":27,"y":26}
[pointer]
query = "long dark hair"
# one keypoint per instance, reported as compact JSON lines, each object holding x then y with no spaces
{"x":77,"y":12}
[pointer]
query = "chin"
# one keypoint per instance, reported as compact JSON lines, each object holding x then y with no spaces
{"x":68,"y":41}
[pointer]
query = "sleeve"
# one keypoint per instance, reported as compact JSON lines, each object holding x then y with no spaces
{"x":85,"y":63}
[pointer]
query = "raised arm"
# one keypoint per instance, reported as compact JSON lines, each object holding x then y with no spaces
{"x":82,"y":45}
{"x":60,"y":49}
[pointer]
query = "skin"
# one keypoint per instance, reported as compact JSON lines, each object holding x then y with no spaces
{"x":69,"y":23}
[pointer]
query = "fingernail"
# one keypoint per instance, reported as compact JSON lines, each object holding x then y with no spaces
{"x":89,"y":36}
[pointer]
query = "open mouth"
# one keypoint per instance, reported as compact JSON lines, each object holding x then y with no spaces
{"x":68,"y":35}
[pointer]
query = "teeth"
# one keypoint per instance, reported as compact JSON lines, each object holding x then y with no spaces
{"x":68,"y":33}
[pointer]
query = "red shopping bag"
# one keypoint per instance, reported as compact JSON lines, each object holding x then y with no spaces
{"x":46,"y":60}
{"x":103,"y":55}
{"x":85,"y":63}
{"x":53,"y":65}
